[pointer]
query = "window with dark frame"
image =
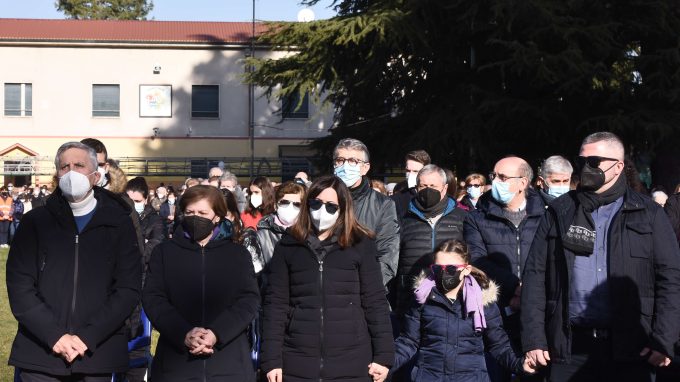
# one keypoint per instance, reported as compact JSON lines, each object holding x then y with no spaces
{"x":106,"y":100}
{"x":18,"y":100}
{"x":205,"y":101}
{"x":290,"y":109}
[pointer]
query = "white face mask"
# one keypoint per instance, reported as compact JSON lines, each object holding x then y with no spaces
{"x":411,"y":179}
{"x":139,"y":207}
{"x":288,"y":214}
{"x":322,"y":220}
{"x":75,"y":185}
{"x":102,"y":179}
{"x":256,"y":200}
{"x":474,"y":192}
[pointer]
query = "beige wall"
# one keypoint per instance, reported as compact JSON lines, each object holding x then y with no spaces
{"x":62,"y":79}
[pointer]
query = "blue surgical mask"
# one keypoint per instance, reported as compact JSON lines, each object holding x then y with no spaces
{"x":348,"y":174}
{"x":557,"y":191}
{"x":501,"y":192}
{"x":474,"y":192}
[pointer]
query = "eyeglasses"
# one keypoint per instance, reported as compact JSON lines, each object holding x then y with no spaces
{"x":592,"y":161}
{"x":339,"y":161}
{"x":101,"y":164}
{"x":501,"y":177}
{"x":449,"y":268}
{"x":331,"y":208}
{"x":286,"y":202}
{"x":475,"y":185}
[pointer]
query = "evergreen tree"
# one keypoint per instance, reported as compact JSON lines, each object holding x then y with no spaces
{"x":105,"y":10}
{"x":471,"y":81}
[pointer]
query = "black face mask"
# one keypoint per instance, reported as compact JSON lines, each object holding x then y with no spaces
{"x":197,"y":227}
{"x":447,"y":282}
{"x":592,"y":178}
{"x":429,"y":197}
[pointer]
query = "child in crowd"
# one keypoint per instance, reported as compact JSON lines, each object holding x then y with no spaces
{"x":454,"y":321}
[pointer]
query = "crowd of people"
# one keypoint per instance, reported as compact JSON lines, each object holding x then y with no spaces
{"x":572,"y":275}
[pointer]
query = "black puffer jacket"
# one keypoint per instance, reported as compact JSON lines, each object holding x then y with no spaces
{"x":672,"y":208}
{"x":212,"y":287}
{"x":418,"y":239}
{"x":377,"y":212}
{"x":325,"y":312}
{"x":48,"y":259}
{"x":496,"y":246}
{"x":152,"y":228}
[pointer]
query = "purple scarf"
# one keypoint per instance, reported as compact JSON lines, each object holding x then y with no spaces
{"x":472,"y":298}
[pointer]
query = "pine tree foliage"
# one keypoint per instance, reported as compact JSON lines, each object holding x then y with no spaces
{"x":105,"y":10}
{"x":470,"y":81}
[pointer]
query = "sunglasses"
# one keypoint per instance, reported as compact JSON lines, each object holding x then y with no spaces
{"x":474,"y":185}
{"x":331,"y":208}
{"x":592,"y":161}
{"x":285,"y":203}
{"x":449,"y":268}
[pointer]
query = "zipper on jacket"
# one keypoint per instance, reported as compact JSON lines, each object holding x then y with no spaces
{"x":75,"y":285}
{"x":519,"y":255}
{"x":323,"y":302}
{"x":203,"y":304}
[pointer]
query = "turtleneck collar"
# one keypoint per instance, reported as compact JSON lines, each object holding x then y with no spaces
{"x":360,"y":190}
{"x":84,"y":206}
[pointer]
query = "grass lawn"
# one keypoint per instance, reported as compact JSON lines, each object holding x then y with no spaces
{"x":8,"y":325}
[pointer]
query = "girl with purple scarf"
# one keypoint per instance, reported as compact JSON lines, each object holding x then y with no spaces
{"x":454,"y":320}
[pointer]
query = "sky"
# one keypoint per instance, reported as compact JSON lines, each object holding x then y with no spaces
{"x":183,"y":10}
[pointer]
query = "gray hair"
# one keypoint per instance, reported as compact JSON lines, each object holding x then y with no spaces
{"x":352,"y":144}
{"x":526,"y":171}
{"x":556,"y":165}
{"x":228,"y":176}
{"x":605,"y":136}
{"x":76,"y":145}
{"x":430,"y":168}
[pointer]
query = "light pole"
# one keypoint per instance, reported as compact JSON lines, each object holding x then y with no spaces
{"x":251,"y":102}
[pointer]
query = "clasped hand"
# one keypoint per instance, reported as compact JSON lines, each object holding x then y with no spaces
{"x":200,"y":341}
{"x":69,"y":347}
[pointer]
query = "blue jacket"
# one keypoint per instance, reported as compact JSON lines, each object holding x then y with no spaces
{"x":496,"y":246}
{"x":445,"y":343}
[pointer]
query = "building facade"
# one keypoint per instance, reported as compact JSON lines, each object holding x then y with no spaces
{"x":157,"y":93}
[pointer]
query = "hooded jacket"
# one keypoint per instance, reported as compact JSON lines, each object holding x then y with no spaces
{"x":496,"y":246}
{"x":325,"y":312}
{"x":377,"y":212}
{"x":212,"y":287}
{"x":443,"y":338}
{"x":644,"y":277}
{"x":60,"y":281}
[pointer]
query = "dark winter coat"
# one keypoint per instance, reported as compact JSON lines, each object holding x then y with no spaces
{"x":445,"y":343}
{"x":152,"y":229}
{"x":164,"y":212}
{"x":496,"y":246}
{"x":212,"y":287}
{"x":644,"y":277}
{"x":419,"y":239}
{"x":325,"y":312}
{"x":672,"y":208}
{"x":467,"y":202}
{"x":49,"y":260}
{"x":376,"y":212}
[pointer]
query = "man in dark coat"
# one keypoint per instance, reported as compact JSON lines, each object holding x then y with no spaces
{"x":601,"y":293}
{"x":499,"y":234}
{"x":73,"y":277}
{"x":432,"y":218}
{"x":406,"y":189}
{"x":372,"y":209}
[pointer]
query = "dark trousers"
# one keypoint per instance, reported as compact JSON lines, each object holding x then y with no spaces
{"x":591,"y":360}
{"x":34,"y":376}
{"x":4,"y":231}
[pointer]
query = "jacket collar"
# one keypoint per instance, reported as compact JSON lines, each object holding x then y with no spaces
{"x":269,"y":222}
{"x":451,"y":205}
{"x":362,"y":190}
{"x":109,"y":209}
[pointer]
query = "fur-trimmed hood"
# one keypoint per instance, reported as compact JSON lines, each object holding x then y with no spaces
{"x":424,"y":283}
